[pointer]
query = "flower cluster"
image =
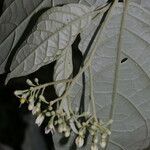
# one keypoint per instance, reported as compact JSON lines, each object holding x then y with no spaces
{"x":62,"y":122}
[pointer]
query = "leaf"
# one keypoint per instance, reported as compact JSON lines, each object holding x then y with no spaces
{"x":12,"y":25}
{"x":144,"y":3}
{"x":131,"y":126}
{"x":56,"y":30}
{"x":14,"y":21}
{"x":6,"y":4}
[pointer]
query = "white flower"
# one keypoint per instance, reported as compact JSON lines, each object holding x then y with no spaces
{"x":79,"y":141}
{"x":39,"y":119}
{"x":94,"y":147}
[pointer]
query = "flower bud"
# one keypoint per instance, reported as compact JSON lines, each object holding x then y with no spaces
{"x":19,"y":92}
{"x":60,"y":128}
{"x":103,"y":144}
{"x":67,"y":133}
{"x":39,"y":119}
{"x":104,"y":136}
{"x":94,"y":147}
{"x":93,"y":127}
{"x":29,"y":82}
{"x":60,"y":121}
{"x":35,"y":110}
{"x":48,"y":114}
{"x":79,"y":141}
{"x":31,"y":98}
{"x":31,"y":106}
{"x":36,"y":80}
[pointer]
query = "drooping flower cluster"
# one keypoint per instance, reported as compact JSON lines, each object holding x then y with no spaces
{"x":61,"y":121}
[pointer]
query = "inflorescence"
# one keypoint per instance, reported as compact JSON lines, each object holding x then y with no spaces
{"x":61,"y":121}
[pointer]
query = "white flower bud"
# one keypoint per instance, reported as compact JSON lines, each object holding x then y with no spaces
{"x":93,"y":127}
{"x":94,"y":147}
{"x":109,"y":132}
{"x":104,"y":136}
{"x":42,"y":98}
{"x":48,"y":114}
{"x":31,"y":98}
{"x":64,"y":127}
{"x":67,"y":133}
{"x":36,"y":80}
{"x":29,"y":82}
{"x":39,"y":119}
{"x":103,"y":144}
{"x":31,"y":106}
{"x":19,"y":92}
{"x":38,"y":104}
{"x":81,"y":133}
{"x":60,"y":128}
{"x":60,"y":121}
{"x":79,"y":141}
{"x":35,"y":110}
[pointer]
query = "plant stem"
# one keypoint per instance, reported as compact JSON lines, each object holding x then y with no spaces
{"x":52,"y":3}
{"x":91,"y":92}
{"x":52,"y":83}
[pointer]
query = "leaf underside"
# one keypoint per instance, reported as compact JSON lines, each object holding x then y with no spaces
{"x":14,"y":20}
{"x":56,"y":31}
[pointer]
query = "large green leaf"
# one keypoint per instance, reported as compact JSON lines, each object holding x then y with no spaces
{"x":56,"y":31}
{"x":131,"y":126}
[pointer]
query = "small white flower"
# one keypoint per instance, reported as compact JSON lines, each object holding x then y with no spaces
{"x":79,"y":141}
{"x":39,"y":119}
{"x":94,"y":147}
